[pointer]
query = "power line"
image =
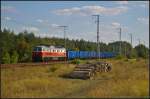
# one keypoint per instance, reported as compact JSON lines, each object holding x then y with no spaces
{"x":98,"y":46}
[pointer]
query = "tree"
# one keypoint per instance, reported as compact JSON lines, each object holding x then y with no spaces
{"x":142,"y":51}
{"x":23,"y":48}
{"x":14,"y":57}
{"x":132,"y":54}
{"x":5,"y":57}
{"x":20,"y":46}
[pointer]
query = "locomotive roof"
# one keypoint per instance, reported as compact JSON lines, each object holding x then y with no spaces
{"x":51,"y":47}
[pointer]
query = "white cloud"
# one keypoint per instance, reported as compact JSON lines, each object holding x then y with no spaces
{"x":115,"y":24}
{"x":7,"y":18}
{"x":45,"y":23}
{"x":54,"y":25}
{"x":143,"y":20}
{"x":31,"y":29}
{"x":39,"y":20}
{"x":89,"y":10}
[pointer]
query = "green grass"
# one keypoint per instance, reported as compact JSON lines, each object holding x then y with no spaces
{"x":127,"y":79}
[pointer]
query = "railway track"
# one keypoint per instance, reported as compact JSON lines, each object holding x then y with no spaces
{"x":31,"y":64}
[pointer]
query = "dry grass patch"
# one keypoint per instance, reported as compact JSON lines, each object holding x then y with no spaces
{"x":125,"y":80}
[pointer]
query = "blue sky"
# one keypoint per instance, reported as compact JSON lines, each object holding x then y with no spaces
{"x":43,"y":18}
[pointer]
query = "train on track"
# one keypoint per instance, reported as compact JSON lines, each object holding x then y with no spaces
{"x":43,"y":53}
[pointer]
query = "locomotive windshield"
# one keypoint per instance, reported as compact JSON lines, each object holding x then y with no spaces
{"x":37,"y":49}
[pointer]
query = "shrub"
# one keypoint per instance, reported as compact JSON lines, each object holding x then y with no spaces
{"x":126,"y":59}
{"x":52,"y":69}
{"x":76,"y":61}
{"x":119,"y":57}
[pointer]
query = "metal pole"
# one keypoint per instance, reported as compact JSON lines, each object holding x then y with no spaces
{"x":139,"y":41}
{"x":131,"y":38}
{"x":64,"y":27}
{"x":131,"y":42}
{"x":125,"y":49}
{"x":65,"y":46}
{"x":145,"y":47}
{"x":98,"y":36}
{"x":98,"y":46}
{"x":120,"y":40}
{"x":144,"y":43}
{"x":65,"y":37}
{"x":130,"y":34}
{"x":113,"y":45}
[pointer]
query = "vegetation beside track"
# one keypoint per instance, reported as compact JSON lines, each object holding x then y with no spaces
{"x":128,"y":78}
{"x":18,"y":47}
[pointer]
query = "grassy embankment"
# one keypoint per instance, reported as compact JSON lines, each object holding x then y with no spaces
{"x":127,"y":79}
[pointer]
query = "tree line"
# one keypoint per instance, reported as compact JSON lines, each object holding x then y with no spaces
{"x":16,"y":48}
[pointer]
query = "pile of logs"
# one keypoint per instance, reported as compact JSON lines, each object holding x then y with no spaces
{"x":89,"y":70}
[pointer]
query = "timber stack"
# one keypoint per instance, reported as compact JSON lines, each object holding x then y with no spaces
{"x":89,"y":70}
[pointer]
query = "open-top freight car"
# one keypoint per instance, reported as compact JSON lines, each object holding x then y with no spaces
{"x":44,"y":53}
{"x":89,"y":54}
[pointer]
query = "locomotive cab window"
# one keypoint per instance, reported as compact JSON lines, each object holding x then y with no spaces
{"x":37,"y":49}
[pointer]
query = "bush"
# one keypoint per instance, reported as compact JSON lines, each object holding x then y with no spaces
{"x":76,"y":61}
{"x":119,"y":57}
{"x":126,"y":59}
{"x":138,"y":59}
{"x":52,"y":69}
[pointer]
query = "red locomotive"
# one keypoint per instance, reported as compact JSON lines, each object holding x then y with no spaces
{"x":48,"y":53}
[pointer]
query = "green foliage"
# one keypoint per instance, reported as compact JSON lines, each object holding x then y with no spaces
{"x":5,"y":57}
{"x":132,"y":54}
{"x":142,"y":51}
{"x":24,"y":42}
{"x":76,"y":61}
{"x":53,"y":69}
{"x":119,"y":57}
{"x":14,"y":57}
